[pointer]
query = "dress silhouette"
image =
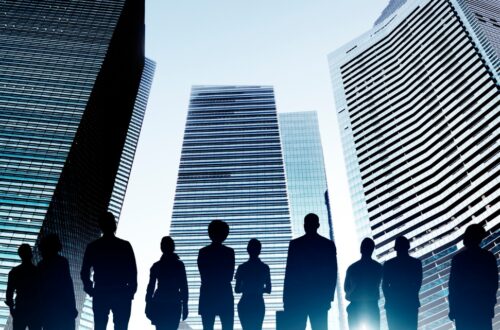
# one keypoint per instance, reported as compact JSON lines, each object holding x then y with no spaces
{"x":216,"y":266}
{"x":58,"y":311}
{"x":253,"y":278}
{"x":170,"y":298}
{"x":23,"y":280}
{"x":401,"y":282}
{"x":473,"y":283}
{"x":362,"y":285}
{"x":115,"y":276}
{"x":310,"y":278}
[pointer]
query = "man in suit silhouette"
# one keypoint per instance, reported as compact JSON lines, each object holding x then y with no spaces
{"x":473,"y":283}
{"x":362,"y":284}
{"x":23,"y":280}
{"x":216,"y":264}
{"x":115,"y":276}
{"x":401,"y":282}
{"x":310,"y":278}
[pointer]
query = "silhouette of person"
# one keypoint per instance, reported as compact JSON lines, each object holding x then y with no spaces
{"x":473,"y":283}
{"x":362,"y":284}
{"x":171,"y":295}
{"x":253,"y":278}
{"x":216,"y":266}
{"x":23,"y":281}
{"x":310,"y":278}
{"x":57,"y":294}
{"x":115,"y":276}
{"x":401,"y":282}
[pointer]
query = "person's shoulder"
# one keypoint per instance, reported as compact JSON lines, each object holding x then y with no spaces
{"x":227,"y":249}
{"x":416,"y":261}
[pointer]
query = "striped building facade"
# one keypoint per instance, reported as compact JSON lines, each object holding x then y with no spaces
{"x":418,"y":107}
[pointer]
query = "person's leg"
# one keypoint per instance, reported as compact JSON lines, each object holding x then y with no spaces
{"x":101,"y":307}
{"x":227,"y":318}
{"x":19,"y":323}
{"x":208,"y":320}
{"x":121,"y":308}
{"x":296,"y":319}
{"x":469,"y":322}
{"x":319,"y":319}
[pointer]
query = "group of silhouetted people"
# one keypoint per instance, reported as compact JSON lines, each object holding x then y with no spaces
{"x":472,"y":286}
{"x":45,"y":298}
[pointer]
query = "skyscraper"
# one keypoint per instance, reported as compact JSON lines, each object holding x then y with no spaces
{"x":306,"y":183}
{"x":69,"y":75}
{"x":418,"y":108}
{"x":232,"y":169}
{"x":125,"y":167}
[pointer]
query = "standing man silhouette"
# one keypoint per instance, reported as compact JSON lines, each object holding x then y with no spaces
{"x":401,"y":282}
{"x":473,"y":283}
{"x":115,"y":276}
{"x":253,"y":278}
{"x":310,"y":278}
{"x":23,"y":281}
{"x":362,"y":284}
{"x":216,"y":265}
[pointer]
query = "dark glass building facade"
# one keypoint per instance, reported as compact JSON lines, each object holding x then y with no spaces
{"x":125,"y":167}
{"x":69,"y":76}
{"x":418,"y":106}
{"x":232,"y":169}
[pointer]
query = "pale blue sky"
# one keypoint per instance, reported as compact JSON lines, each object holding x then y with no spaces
{"x":283,"y":43}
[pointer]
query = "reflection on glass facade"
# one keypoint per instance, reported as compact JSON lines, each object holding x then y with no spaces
{"x":418,"y":108}
{"x":232,"y":169}
{"x":65,"y":105}
{"x":306,"y":183}
{"x":125,"y":167}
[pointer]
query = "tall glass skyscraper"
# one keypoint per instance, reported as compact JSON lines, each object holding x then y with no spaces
{"x":232,"y":169}
{"x":418,"y":108}
{"x":69,"y":76}
{"x":306,"y":183}
{"x":125,"y":167}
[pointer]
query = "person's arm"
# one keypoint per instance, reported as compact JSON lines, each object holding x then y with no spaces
{"x":492,"y":279}
{"x":132,"y":282}
{"x":289,"y":273}
{"x":420,"y":277}
{"x":88,"y":286}
{"x":237,"y":277}
{"x":150,"y":290}
{"x":67,"y":285}
{"x":386,"y":281}
{"x":452,"y":289}
{"x":267,"y":285}
{"x":231,"y":266}
{"x":9,"y":294}
{"x":334,"y":271}
{"x":184,"y":291}
{"x":348,"y":285}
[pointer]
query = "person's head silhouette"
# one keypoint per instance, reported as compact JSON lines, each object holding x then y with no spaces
{"x":218,"y":231}
{"x":402,"y":245}
{"x":25,"y":253}
{"x":50,"y":246}
{"x":253,"y":248}
{"x":473,"y":235}
{"x":367,"y":247}
{"x":167,"y":245}
{"x":107,"y":223}
{"x":311,"y":223}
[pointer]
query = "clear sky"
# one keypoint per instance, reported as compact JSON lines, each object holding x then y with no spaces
{"x":283,"y":43}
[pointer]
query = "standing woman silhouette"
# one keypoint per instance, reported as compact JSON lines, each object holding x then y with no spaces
{"x":171,"y":295}
{"x":58,"y":310}
{"x":252,"y":280}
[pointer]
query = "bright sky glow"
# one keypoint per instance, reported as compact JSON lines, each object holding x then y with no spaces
{"x":283,"y":43}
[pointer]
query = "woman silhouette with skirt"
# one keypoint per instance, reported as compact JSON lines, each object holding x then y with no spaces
{"x":252,"y":280}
